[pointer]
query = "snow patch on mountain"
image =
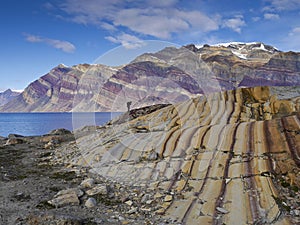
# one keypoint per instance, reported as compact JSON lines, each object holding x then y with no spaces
{"x":261,"y":47}
{"x":239,"y":54}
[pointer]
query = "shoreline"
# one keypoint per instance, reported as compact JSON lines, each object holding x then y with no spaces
{"x":31,"y":177}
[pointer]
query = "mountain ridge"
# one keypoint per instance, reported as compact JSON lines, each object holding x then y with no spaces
{"x":7,"y":96}
{"x":167,"y":76}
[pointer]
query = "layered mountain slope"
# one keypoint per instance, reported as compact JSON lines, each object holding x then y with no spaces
{"x":225,"y":158}
{"x":146,"y":83}
{"x":234,"y":64}
{"x":56,"y":90}
{"x":168,"y":76}
{"x":7,"y":96}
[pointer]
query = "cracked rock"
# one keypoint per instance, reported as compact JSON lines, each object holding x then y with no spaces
{"x":99,"y":189}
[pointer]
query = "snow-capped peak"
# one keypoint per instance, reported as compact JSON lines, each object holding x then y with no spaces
{"x":61,"y":65}
{"x":227,"y":44}
{"x":17,"y":90}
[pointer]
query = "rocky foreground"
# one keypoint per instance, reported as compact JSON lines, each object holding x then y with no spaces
{"x":226,"y":158}
{"x":36,"y":188}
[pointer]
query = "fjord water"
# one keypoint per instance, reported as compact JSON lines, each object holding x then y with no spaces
{"x":29,"y":124}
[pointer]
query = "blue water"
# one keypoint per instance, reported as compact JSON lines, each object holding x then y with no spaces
{"x":29,"y":124}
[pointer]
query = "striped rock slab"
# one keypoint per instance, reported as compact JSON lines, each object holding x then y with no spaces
{"x":218,"y":156}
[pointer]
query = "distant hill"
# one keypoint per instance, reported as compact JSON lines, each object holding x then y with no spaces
{"x":7,"y":96}
{"x":168,"y":76}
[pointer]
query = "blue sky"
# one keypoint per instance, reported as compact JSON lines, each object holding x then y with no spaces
{"x":37,"y":35}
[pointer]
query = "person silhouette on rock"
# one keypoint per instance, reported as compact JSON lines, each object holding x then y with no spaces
{"x":128,"y":106}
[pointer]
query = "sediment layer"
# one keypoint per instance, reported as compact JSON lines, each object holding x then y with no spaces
{"x":221,"y":158}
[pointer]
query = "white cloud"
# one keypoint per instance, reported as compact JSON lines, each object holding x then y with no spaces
{"x":295,"y":31}
{"x":161,"y":24}
{"x":63,"y":45}
{"x":291,"y":41}
{"x":108,"y":27}
{"x":255,"y":19}
{"x":126,"y":40}
{"x":164,"y":3}
{"x":198,"y":20}
{"x":92,"y":11}
{"x":235,"y":23}
{"x":150,"y":22}
{"x":271,"y":16}
{"x":282,"y":5}
{"x":58,"y":44}
{"x":160,"y":19}
{"x":49,"y":6}
{"x":33,"y":38}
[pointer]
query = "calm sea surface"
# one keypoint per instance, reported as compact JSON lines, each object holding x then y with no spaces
{"x":41,"y":123}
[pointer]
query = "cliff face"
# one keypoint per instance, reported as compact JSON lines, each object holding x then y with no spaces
{"x":7,"y":96}
{"x":224,"y":158}
{"x":168,"y":76}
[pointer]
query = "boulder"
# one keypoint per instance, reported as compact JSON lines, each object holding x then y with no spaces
{"x":49,"y":218}
{"x":66,"y":197}
{"x":11,"y":136}
{"x":14,"y":141}
{"x":99,"y":189}
{"x":60,"y":131}
{"x":90,"y":203}
{"x":88,"y":183}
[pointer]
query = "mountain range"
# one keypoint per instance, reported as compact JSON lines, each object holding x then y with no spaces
{"x":168,"y":76}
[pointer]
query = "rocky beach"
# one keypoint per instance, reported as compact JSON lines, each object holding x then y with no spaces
{"x":36,"y":188}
